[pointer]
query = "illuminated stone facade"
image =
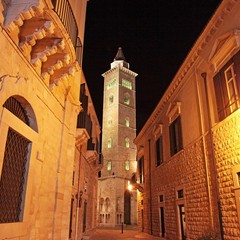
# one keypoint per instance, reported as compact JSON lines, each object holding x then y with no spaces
{"x":116,"y":204}
{"x":87,"y":164}
{"x":188,"y":150}
{"x":40,"y":77}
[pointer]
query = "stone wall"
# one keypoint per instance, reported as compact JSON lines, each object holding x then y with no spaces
{"x":226,"y":139}
{"x":46,"y":206}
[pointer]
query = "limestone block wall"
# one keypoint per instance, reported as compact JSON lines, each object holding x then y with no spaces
{"x":189,"y":170}
{"x":226,"y":140}
{"x":86,"y":182}
{"x":48,"y":192}
{"x":185,"y":171}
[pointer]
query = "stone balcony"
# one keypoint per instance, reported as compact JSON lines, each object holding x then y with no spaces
{"x":81,"y":138}
{"x":37,"y":29}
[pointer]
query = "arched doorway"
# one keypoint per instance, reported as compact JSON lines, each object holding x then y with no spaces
{"x":127,"y":207}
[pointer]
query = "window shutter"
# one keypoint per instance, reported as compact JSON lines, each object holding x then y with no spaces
{"x":219,"y":91}
{"x":236,"y":66}
{"x":172,"y":139}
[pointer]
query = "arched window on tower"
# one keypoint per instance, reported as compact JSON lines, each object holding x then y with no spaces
{"x":109,"y":165}
{"x":127,"y":165}
{"x":110,"y":121}
{"x":126,"y":99}
{"x":110,"y":99}
{"x":127,"y":142}
{"x":127,"y":122}
{"x":109,"y":144}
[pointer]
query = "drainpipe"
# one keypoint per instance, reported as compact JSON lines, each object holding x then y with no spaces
{"x":204,"y":76}
{"x":150,"y":183}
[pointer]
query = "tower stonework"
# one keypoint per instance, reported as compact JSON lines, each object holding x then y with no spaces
{"x":117,"y":204}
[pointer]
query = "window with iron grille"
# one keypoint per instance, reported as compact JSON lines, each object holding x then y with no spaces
{"x":227,"y":87}
{"x":175,"y":131}
{"x":14,"y":169}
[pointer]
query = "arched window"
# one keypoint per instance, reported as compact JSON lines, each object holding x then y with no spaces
{"x":101,"y":201}
{"x":109,"y":165}
{"x":107,"y":204}
{"x":127,"y":99}
{"x":127,"y":165}
{"x":110,"y":121}
{"x":127,"y":142}
{"x":109,"y":144}
{"x":127,"y":122}
{"x":110,"y":99}
{"x":15,"y":162}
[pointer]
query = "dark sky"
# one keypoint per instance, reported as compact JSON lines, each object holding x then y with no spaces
{"x":155,"y":36}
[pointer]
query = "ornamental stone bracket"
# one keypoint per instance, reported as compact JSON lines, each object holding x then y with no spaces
{"x":138,"y":186}
{"x":81,"y":138}
{"x":41,"y":37}
{"x":91,"y":156}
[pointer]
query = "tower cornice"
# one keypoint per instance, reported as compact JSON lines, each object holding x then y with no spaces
{"x":126,"y":70}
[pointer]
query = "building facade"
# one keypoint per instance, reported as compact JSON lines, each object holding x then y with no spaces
{"x":87,"y":164}
{"x":40,"y":145}
{"x":188,"y":150}
{"x":117,"y":204}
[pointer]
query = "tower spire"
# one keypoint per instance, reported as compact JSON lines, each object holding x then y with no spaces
{"x":119,"y":60}
{"x":119,"y":55}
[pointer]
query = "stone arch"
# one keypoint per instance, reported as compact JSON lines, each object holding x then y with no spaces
{"x":101,"y":201}
{"x":127,"y":207}
{"x":28,"y":116}
{"x":108,"y":203}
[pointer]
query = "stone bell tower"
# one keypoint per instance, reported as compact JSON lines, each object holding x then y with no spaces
{"x":117,"y":204}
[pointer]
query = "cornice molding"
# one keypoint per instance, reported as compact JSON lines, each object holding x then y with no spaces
{"x":126,"y":70}
{"x":208,"y":33}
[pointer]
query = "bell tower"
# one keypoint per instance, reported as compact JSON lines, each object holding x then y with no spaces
{"x":117,"y":204}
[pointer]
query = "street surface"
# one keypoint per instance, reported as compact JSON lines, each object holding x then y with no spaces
{"x":116,"y":234}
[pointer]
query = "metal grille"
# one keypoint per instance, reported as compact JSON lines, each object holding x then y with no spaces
{"x":65,"y":13}
{"x":16,"y":108}
{"x":13,"y":177}
{"x":13,"y":174}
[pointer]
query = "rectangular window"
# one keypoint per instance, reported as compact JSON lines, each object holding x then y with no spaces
{"x":111,"y":84}
{"x":231,"y":88}
{"x":109,"y":165}
{"x":127,"y":165}
{"x":159,"y":151}
{"x":141,"y":169}
{"x":162,"y":222}
{"x":175,"y":131}
{"x":14,"y":177}
{"x":126,"y":84}
{"x":161,"y":199}
{"x":227,"y":84}
{"x":180,"y":193}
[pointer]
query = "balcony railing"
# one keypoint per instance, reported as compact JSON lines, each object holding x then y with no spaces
{"x":66,"y":15}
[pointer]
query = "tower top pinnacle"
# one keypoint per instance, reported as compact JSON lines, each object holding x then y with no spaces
{"x":119,"y":55}
{"x":119,"y":59}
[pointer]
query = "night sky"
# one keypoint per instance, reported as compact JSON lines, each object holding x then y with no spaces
{"x":155,"y":35}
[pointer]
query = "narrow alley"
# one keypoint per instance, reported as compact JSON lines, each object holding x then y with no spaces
{"x":127,"y":234}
